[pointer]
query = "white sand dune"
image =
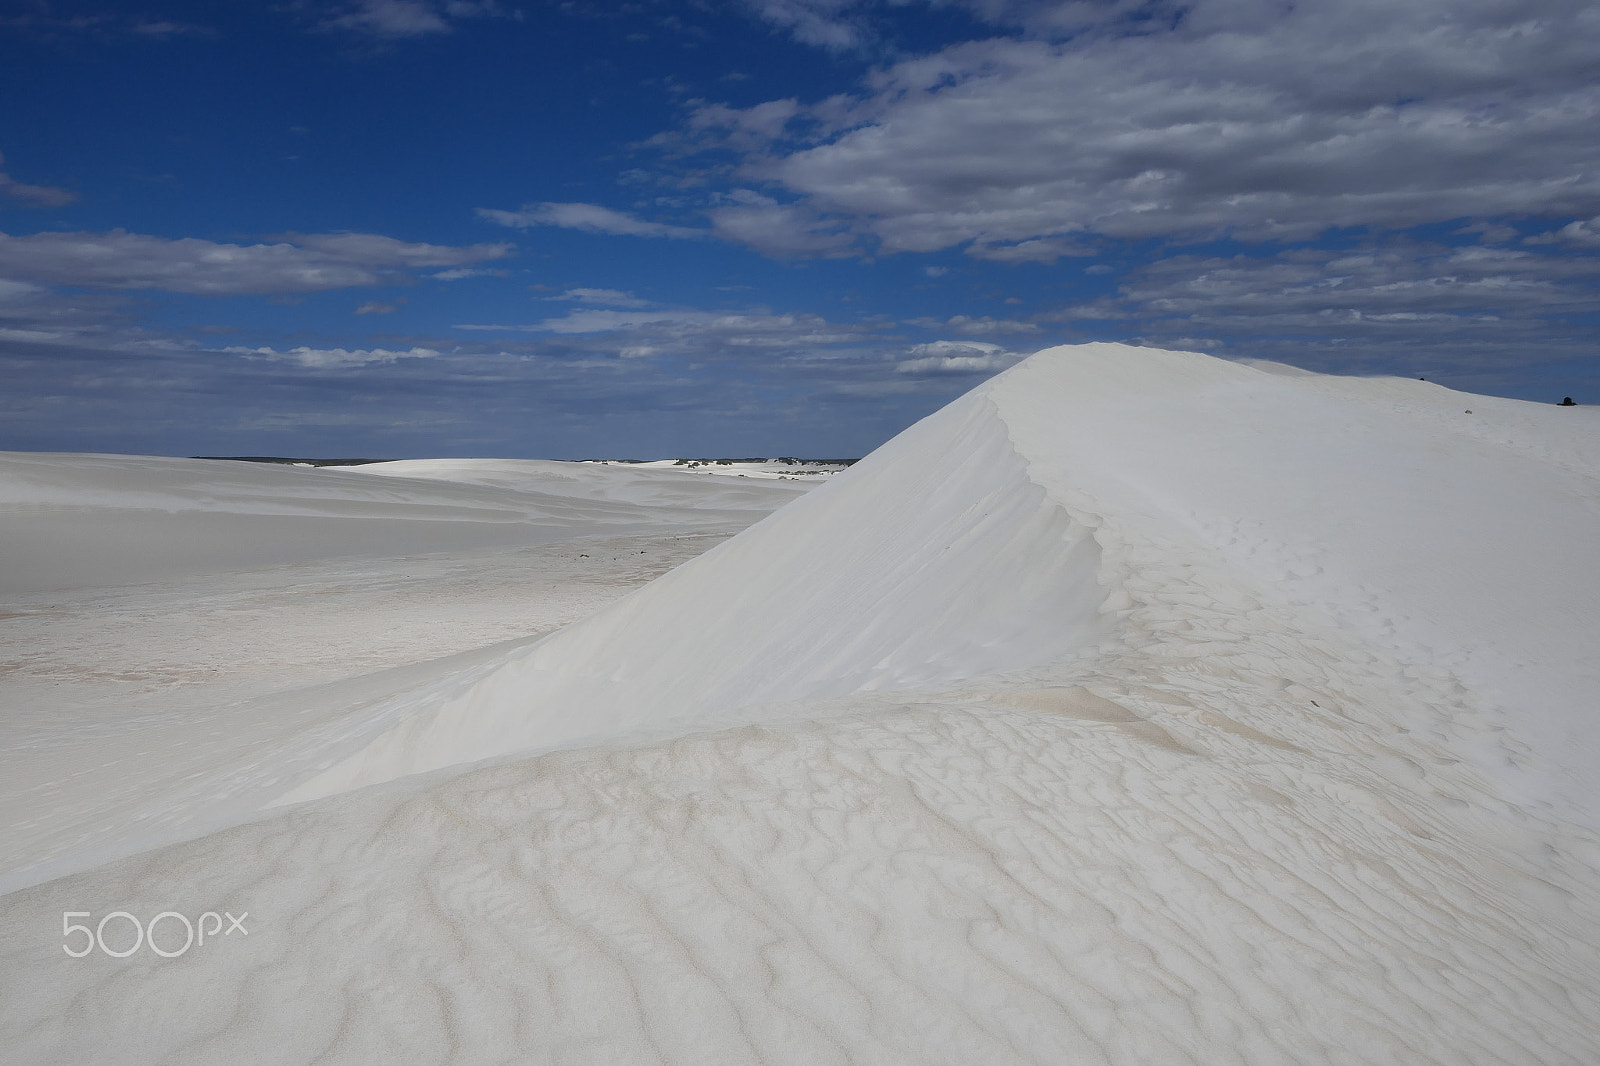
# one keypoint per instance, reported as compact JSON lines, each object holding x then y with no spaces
{"x":171,"y":629}
{"x":83,"y":520}
{"x":1137,"y":707}
{"x":1463,"y":540}
{"x":900,"y":572}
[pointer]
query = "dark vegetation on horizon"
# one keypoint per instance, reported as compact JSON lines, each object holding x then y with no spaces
{"x":288,"y":461}
{"x":291,"y":461}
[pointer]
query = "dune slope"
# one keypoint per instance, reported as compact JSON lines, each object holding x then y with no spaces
{"x":902,"y":571}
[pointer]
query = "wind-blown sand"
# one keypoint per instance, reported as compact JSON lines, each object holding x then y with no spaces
{"x":1137,"y":707}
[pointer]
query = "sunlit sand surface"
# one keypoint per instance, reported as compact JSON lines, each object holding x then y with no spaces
{"x":1138,"y":707}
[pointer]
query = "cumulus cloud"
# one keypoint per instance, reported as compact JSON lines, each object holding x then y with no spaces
{"x":32,"y":195}
{"x":591,"y":218}
{"x":1266,"y":121}
{"x":299,"y":263}
{"x":957,"y":357}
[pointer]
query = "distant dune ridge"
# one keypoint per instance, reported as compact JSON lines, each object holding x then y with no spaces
{"x":1139,"y":706}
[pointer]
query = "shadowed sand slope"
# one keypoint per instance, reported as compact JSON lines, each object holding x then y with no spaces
{"x":936,"y":558}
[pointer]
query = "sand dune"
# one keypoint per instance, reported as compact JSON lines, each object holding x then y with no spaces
{"x":899,"y":572}
{"x":178,"y":629}
{"x":1137,"y":707}
{"x":1460,"y":540}
{"x":83,"y":520}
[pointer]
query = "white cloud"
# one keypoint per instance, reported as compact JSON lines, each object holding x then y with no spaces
{"x":32,"y":336}
{"x":396,"y":19}
{"x":390,"y":18}
{"x":17,"y":291}
{"x":1263,"y":120}
{"x":164,"y":29}
{"x":299,"y":263}
{"x":1190,"y":344}
{"x":598,"y":363}
{"x":957,"y":357}
{"x":1393,"y":298}
{"x":780,"y":230}
{"x":32,"y":313}
{"x":671,"y":329}
{"x":745,"y":127}
{"x":970,"y":326}
{"x":335,"y":358}
{"x":700,"y":334}
{"x":377,"y":251}
{"x":591,"y":218}
{"x":1386,"y":282}
{"x":826,"y":23}
{"x":596,"y":321}
{"x":602,"y":297}
{"x":1584,"y":233}
{"x":376,"y":307}
{"x":42,"y":22}
{"x":1491,"y":232}
{"x":33,"y":195}
{"x":460,"y":273}
{"x":1040,"y":250}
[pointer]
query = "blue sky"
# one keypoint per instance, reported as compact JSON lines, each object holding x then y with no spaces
{"x":760,"y":227}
